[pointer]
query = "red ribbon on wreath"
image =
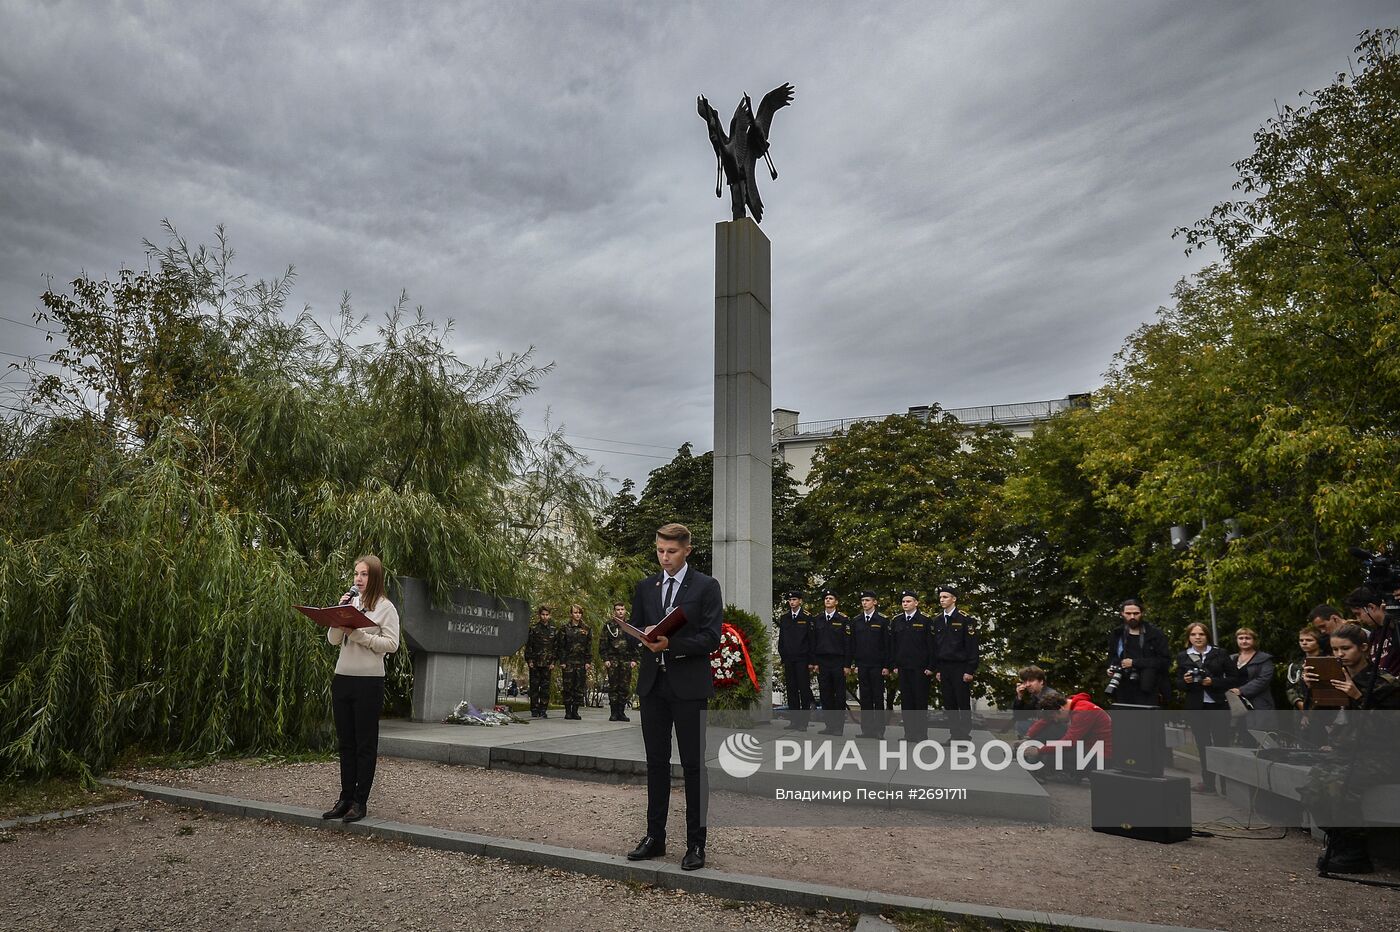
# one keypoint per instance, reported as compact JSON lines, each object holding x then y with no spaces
{"x":724,"y":660}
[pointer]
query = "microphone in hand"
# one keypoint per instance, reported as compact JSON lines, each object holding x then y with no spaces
{"x":345,"y":599}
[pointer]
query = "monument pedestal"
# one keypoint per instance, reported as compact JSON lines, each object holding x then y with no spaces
{"x":457,"y":646}
{"x":743,"y":486}
{"x":440,"y":681}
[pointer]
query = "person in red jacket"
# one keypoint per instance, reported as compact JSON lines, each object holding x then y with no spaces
{"x":1087,"y":725}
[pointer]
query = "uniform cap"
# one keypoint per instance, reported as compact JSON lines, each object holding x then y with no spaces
{"x":948,"y":589}
{"x":794,"y":594}
{"x":868,"y":594}
{"x":909,"y":594}
{"x":828,"y":592}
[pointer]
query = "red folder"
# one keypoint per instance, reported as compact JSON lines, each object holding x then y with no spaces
{"x":664,"y":628}
{"x":337,"y":616}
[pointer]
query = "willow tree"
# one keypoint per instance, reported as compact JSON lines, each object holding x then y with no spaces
{"x":202,"y":460}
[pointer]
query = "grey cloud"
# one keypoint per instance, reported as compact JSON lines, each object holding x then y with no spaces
{"x":992,"y":188}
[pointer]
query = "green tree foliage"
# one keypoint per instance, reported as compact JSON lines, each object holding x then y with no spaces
{"x":792,"y":535}
{"x":897,"y":503}
{"x":204,"y":461}
{"x":683,"y":491}
{"x":1267,"y":392}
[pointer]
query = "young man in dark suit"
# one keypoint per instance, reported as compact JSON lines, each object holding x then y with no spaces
{"x":911,"y":653}
{"x":795,"y":650}
{"x":674,"y":684}
{"x":955,"y":656}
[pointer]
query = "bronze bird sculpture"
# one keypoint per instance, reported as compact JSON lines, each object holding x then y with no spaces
{"x":738,"y":152}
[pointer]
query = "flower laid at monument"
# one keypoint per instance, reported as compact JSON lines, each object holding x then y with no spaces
{"x":739,"y":664}
{"x":468,"y":714}
{"x":730,"y":660}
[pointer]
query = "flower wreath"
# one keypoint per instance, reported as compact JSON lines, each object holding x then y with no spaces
{"x":730,"y":661}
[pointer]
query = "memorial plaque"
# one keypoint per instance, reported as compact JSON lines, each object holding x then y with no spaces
{"x":473,"y":622}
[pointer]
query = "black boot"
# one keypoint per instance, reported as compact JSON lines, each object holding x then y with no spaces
{"x":613,"y":713}
{"x":622,"y":712}
{"x":1346,"y":852}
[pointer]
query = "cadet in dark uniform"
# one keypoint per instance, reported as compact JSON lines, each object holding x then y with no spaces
{"x":795,"y":650}
{"x":832,"y":645}
{"x":911,"y":653}
{"x":955,"y":657}
{"x":618,"y":651}
{"x":575,"y":653}
{"x":870,"y":637}
{"x":539,"y":656}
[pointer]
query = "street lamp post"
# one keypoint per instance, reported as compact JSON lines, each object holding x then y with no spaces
{"x":1181,"y":542}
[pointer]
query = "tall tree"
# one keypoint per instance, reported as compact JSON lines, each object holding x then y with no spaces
{"x":202,"y":462}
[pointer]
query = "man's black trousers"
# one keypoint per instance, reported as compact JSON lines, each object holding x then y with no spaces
{"x":662,"y":711}
{"x":872,"y":701}
{"x":913,"y":699}
{"x":797,"y":682}
{"x":956,"y":696}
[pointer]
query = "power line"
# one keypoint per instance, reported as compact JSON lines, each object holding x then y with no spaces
{"x":31,"y":326}
{"x":645,"y":456}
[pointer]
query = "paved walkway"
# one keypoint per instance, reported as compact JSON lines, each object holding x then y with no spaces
{"x":664,"y":874}
{"x":596,"y":749}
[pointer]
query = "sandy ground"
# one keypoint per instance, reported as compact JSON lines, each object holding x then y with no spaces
{"x":157,"y":867}
{"x":1220,"y":882}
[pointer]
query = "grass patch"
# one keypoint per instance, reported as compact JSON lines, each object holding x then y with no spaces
{"x":913,"y":920}
{"x":53,"y":795}
{"x":297,"y":757}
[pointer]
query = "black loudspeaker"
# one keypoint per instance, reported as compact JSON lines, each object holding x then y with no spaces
{"x":1146,"y":808}
{"x":1139,"y":740}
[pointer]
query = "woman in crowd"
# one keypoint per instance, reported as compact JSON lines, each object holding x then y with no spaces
{"x":1252,"y":680}
{"x":357,"y":692}
{"x":1202,"y":670}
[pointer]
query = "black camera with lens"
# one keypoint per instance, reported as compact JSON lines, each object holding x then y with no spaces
{"x":1116,"y":675}
{"x":1382,"y":575}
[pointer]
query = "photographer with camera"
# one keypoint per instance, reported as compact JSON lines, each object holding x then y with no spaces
{"x":1138,"y":658}
{"x":1079,"y":724}
{"x":1367,"y":607}
{"x":1202,"y":670}
{"x":1030,"y":689}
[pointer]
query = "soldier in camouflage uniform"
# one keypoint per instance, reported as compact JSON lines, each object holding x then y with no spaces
{"x":619,"y":652}
{"x":574,"y":650}
{"x":1365,"y":754}
{"x":539,"y":655}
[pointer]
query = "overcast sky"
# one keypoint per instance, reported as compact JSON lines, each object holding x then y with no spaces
{"x":975,"y":204}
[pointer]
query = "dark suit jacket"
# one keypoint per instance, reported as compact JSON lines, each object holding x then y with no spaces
{"x":955,"y":640}
{"x":688,"y":656}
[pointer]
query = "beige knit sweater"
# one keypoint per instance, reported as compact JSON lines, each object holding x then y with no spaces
{"x":362,"y":650}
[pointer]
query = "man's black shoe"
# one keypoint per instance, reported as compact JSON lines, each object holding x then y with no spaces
{"x":1348,"y":863}
{"x":355,"y":813}
{"x":622,"y":717}
{"x":694,"y":858}
{"x":648,"y":847}
{"x":339,"y":809}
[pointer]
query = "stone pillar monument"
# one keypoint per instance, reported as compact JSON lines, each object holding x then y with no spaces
{"x":743,"y":489}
